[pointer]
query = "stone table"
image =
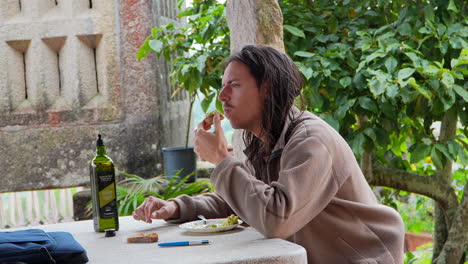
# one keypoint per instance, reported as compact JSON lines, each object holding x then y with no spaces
{"x":240,"y":245}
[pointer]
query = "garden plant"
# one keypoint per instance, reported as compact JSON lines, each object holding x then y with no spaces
{"x":195,"y":49}
{"x":133,"y":189}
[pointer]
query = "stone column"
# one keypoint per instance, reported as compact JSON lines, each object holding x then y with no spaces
{"x":253,"y":22}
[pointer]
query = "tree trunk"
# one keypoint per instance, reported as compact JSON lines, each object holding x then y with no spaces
{"x":451,"y":219}
{"x":452,"y":251}
{"x":444,"y":217}
{"x":440,"y":230}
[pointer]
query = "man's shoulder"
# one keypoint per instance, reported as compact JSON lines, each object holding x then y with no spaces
{"x":310,"y":125}
{"x":309,"y":122}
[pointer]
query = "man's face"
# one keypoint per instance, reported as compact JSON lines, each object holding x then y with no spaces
{"x":242,"y":98}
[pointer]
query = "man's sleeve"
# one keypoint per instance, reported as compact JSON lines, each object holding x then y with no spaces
{"x":304,"y":187}
{"x":210,"y":205}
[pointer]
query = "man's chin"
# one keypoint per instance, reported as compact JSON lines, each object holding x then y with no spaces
{"x":234,"y":125}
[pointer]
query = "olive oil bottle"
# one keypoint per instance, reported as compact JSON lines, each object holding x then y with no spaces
{"x":103,"y":190}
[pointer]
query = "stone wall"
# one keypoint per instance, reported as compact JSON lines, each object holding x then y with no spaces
{"x":68,"y":71}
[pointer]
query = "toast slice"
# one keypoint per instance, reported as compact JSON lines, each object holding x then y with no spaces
{"x":143,"y":238}
{"x":208,"y":121}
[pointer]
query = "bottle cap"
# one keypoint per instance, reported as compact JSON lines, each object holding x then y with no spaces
{"x":99,"y":142}
{"x":110,"y":232}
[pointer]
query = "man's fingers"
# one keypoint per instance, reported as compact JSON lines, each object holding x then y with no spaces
{"x":135,"y":215}
{"x":160,"y":214}
{"x":147,"y":212}
{"x":217,"y":123}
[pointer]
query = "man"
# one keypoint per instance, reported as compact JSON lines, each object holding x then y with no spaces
{"x":301,"y":181}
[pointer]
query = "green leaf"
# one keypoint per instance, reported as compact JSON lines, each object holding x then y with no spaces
{"x":456,"y":42}
{"x":366,"y":46}
{"x":437,"y":158}
{"x":219,"y":105}
{"x":311,"y":29}
{"x":461,"y":91}
{"x":447,"y":80}
{"x":390,"y":64}
{"x":154,"y":32}
{"x":368,"y":104}
{"x":453,"y":148}
{"x":308,"y":72}
{"x":429,"y":13}
{"x":464,"y":53}
{"x":345,"y":81}
{"x":207,"y":33}
{"x":441,"y":29}
{"x":431,"y":70}
{"x":404,"y":29}
{"x":442,"y":148}
{"x":357,"y":144}
{"x":315,"y":99}
{"x":144,"y":50}
{"x":186,"y":12}
{"x":463,"y":156}
{"x":170,"y":26}
{"x":295,"y":31}
{"x":452,"y":7}
{"x":333,"y":54}
{"x":156,"y":45}
{"x":206,"y":102}
{"x":424,"y":30}
{"x":377,"y":86}
{"x":448,"y":99}
{"x":426,"y":141}
{"x":201,"y":63}
{"x":304,"y":54}
{"x":405,"y":73}
{"x":341,"y":112}
{"x":392,"y":90}
{"x":414,"y":58}
{"x":420,"y":152}
{"x":371,"y":134}
{"x":419,"y":88}
{"x":388,"y":110}
{"x":377,"y":54}
{"x":443,"y":47}
{"x":322,"y":38}
{"x":382,"y":137}
{"x":331,"y":121}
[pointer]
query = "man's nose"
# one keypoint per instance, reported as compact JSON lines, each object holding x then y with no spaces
{"x":223,"y":95}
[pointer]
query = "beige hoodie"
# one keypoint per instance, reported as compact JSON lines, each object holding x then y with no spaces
{"x":314,"y":194}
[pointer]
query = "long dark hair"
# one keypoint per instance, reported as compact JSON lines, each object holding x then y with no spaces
{"x":283,"y":82}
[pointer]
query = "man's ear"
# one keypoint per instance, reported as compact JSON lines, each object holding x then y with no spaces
{"x":265,"y":90}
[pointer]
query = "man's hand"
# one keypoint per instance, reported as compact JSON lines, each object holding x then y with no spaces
{"x":211,"y":147}
{"x":155,"y":208}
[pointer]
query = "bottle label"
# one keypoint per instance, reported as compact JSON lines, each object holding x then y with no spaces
{"x":107,"y":195}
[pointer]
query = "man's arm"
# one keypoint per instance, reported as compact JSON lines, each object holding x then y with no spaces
{"x":304,"y":187}
{"x":210,"y":205}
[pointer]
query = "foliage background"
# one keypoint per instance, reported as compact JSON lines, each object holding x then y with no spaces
{"x":400,"y":65}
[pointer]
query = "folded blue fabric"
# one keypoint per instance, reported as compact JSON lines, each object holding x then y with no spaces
{"x":36,"y":246}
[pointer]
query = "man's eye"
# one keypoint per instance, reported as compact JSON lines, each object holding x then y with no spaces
{"x":235,"y":85}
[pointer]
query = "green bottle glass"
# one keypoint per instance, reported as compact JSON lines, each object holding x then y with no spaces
{"x":103,"y":190}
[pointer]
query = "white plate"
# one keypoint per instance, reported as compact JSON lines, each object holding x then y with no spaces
{"x":197,"y":226}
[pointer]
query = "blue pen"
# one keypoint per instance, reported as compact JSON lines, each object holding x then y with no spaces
{"x":184,"y":243}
